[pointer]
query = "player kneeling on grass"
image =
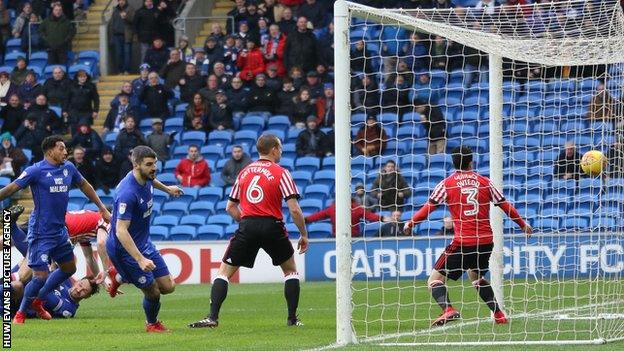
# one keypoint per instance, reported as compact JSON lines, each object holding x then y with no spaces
{"x":129,"y":247}
{"x":468,"y":196}
{"x":258,"y":191}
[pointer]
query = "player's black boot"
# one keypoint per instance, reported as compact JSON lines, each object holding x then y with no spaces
{"x":294,"y":322}
{"x":205,"y":323}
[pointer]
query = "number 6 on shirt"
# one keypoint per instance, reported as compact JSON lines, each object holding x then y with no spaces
{"x":254,"y":193}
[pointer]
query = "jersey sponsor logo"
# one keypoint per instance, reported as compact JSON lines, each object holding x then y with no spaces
{"x":58,"y":181}
{"x":65,"y":172}
{"x":142,"y":279}
{"x":122,"y":208}
{"x":24,"y":174}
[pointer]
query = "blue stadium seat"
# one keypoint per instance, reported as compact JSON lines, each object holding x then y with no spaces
{"x":193,"y":220}
{"x":561,"y":187}
{"x":288,"y":163}
{"x":110,"y":139}
{"x":293,"y":134}
{"x":220,"y":137}
{"x":293,"y":231}
{"x":156,"y":208}
{"x":211,"y":194}
{"x":174,"y":124}
{"x":170,"y":165}
{"x":430,"y":227}
{"x":182,"y":233}
{"x":441,"y":161}
{"x":317,"y":191}
{"x":167,"y":178}
{"x":13,"y":44}
{"x":371,"y":229}
{"x":547,"y":225}
{"x":160,"y":196}
{"x":279,"y":122}
{"x":248,"y":137}
{"x":413,"y":162}
{"x":166,"y":220}
{"x":212,"y":151}
{"x":253,"y":123}
{"x":73,"y":69}
{"x":193,"y":137}
{"x":230,"y":230}
{"x":159,"y":233}
{"x":201,"y":208}
{"x":223,"y":220}
{"x":302,"y":179}
{"x":289,"y":150}
{"x":329,"y":162}
{"x":280,"y":134}
{"x":179,"y":152}
{"x":320,"y":230}
{"x":220,"y":208}
{"x":190,"y":194}
{"x":309,"y":206}
{"x":10,"y":58}
{"x":327,"y":177}
{"x":576,"y":223}
{"x":310,"y":164}
{"x":210,"y":232}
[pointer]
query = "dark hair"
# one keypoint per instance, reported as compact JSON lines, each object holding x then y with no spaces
{"x":95,"y":288}
{"x":237,"y":146}
{"x":391,"y":161}
{"x":266,"y":142}
{"x":49,"y":143}
{"x":462,"y":156}
{"x":141,"y":152}
{"x":193,"y":145}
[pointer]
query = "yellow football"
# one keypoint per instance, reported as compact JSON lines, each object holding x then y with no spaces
{"x":592,"y":162}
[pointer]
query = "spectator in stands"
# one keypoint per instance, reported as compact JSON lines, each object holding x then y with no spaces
{"x":365,"y":96}
{"x":155,"y":97}
{"x":89,"y":140}
{"x":174,"y":70}
{"x":121,"y":28}
{"x":31,"y":37}
{"x":325,"y":106}
{"x":193,"y":170}
{"x":568,"y":165}
{"x":314,"y":12}
{"x":133,"y":97}
{"x":209,"y":92}
{"x":47,"y":119}
{"x":309,"y":140}
{"x":415,"y":52}
{"x":371,"y":139}
{"x":29,"y":136}
{"x":251,"y":61}
{"x":238,"y":97}
{"x":263,"y":31}
{"x":186,"y":51}
{"x":363,"y":198}
{"x":29,"y":90}
{"x":107,"y":175}
{"x":447,"y":228}
{"x":146,"y":21}
{"x":395,"y":98}
{"x":270,"y":10}
{"x":615,"y":156}
{"x":323,"y":75}
{"x":128,"y":138}
{"x":261,"y":98}
{"x":125,"y":166}
{"x":116,"y":115}
{"x":303,"y":108}
{"x":314,"y":85}
{"x":5,"y":21}
{"x":12,"y":114}
{"x":435,"y":124}
{"x":358,"y":213}
{"x":6,"y":87}
{"x":13,"y":158}
{"x":213,"y":52}
{"x":56,"y":89}
{"x":273,"y":82}
{"x":230,"y":54}
{"x":157,"y":55}
{"x":21,"y":22}
{"x":198,"y":125}
{"x":83,"y":101}
{"x":84,"y":165}
{"x":301,"y":47}
{"x":287,"y":25}
{"x":391,"y":188}
{"x":223,"y":79}
{"x":57,"y":33}
{"x":199,"y":107}
{"x":474,"y":65}
{"x":217,"y":33}
{"x":602,"y":105}
{"x":274,"y":49}
{"x":296,"y":74}
{"x":443,"y":4}
{"x":19,"y":72}
{"x":328,"y":143}
{"x":167,"y":10}
{"x":159,"y":141}
{"x":361,"y":58}
{"x":234,"y":165}
{"x":190,"y":83}
{"x":394,"y":227}
{"x":140,"y":83}
{"x":201,"y":62}
{"x":286,"y":97}
{"x":220,"y":113}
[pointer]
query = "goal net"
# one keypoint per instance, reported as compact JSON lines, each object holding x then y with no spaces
{"x":530,"y":89}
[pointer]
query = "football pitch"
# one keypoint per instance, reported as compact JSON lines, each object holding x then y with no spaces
{"x":254,"y":318}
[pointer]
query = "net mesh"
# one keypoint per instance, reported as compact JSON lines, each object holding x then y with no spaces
{"x":423,"y":75}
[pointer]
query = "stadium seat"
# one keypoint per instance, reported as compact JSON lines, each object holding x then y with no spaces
{"x":320,"y":230}
{"x":430,"y":227}
{"x":170,"y":165}
{"x":212,"y":151}
{"x":327,"y":177}
{"x":280,"y":134}
{"x":160,"y":196}
{"x":220,"y":137}
{"x":193,"y":220}
{"x":576,"y":223}
{"x":279,"y":122}
{"x":248,"y":137}
{"x":174,"y":124}
{"x":159,"y":233}
{"x":329,"y":162}
{"x":210,"y":232}
{"x":293,"y":231}
{"x":182,"y":233}
{"x":292,"y":134}
{"x":73,"y":69}
{"x":193,"y":137}
{"x":441,"y":161}
{"x":10,"y":58}
{"x":309,"y":206}
{"x":13,"y":44}
{"x":222,"y":220}
{"x":230,"y":230}
{"x":189,"y":195}
{"x":167,"y":178}
{"x":317,"y":191}
{"x":308,"y":163}
{"x":547,"y":225}
{"x":166,"y":220}
{"x":253,"y":123}
{"x":201,"y":208}
{"x":211,"y":194}
{"x":110,"y":139}
{"x":372,"y":229}
{"x":220,"y":208}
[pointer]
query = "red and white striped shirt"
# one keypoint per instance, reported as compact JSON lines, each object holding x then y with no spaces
{"x":260,"y":188}
{"x":83,"y":222}
{"x":468,"y":196}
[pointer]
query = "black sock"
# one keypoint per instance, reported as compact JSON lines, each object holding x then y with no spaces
{"x":487,"y":294}
{"x":291,"y":292}
{"x":440,"y":294}
{"x":217,"y":296}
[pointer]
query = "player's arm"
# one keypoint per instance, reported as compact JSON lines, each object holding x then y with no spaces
{"x":297,"y":216}
{"x":172,"y":190}
{"x":102,"y":235}
{"x":232,"y":209}
{"x":513,"y":214}
{"x":88,"y":190}
{"x":419,"y":216}
{"x":87,"y":251}
{"x":123,"y":235}
{"x":8,"y":190}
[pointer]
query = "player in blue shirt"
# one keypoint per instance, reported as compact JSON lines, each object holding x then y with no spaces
{"x":129,"y":247}
{"x":49,"y":181}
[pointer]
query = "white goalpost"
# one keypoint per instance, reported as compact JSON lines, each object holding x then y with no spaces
{"x":520,"y":85}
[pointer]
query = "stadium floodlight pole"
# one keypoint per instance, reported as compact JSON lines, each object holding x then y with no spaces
{"x":344,"y":331}
{"x":496,"y":172}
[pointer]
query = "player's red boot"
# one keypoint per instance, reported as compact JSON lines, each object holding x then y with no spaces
{"x":37,"y":306}
{"x":500,"y":318}
{"x":449,"y":314}
{"x":113,"y":289}
{"x":20,"y":318}
{"x":157,"y":327}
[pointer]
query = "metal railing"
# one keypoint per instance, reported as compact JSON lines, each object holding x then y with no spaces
{"x":81,"y":27}
{"x":191,"y":26}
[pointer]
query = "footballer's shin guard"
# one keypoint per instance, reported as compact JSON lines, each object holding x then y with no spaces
{"x":291,"y":293}
{"x":217,"y":295}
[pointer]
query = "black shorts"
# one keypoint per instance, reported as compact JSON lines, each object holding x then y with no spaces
{"x":255,"y":233}
{"x":456,"y":259}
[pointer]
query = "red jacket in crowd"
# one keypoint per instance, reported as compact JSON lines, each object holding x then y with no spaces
{"x":278,"y":56}
{"x":291,"y":3}
{"x":251,"y":64}
{"x":193,"y":173}
{"x":357,"y":213}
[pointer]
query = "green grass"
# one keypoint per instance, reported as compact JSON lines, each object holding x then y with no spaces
{"x":253,"y":318}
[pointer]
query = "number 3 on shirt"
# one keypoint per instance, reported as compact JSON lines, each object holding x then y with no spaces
{"x":471,"y":199}
{"x":254,"y":193}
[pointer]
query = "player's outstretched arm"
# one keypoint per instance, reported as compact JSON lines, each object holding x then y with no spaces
{"x":512,"y":213}
{"x":127,"y":242}
{"x":87,"y":251}
{"x":88,"y":190}
{"x":232,"y":209}
{"x":297,"y":216}
{"x":172,"y":190}
{"x":8,"y":190}
{"x":419,"y":216}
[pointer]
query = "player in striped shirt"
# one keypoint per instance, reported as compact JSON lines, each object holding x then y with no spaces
{"x":468,"y":196}
{"x":256,"y":203}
